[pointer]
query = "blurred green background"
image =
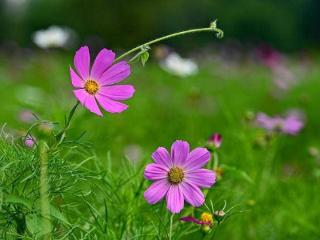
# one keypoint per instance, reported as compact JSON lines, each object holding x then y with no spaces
{"x":288,"y":25}
{"x":232,"y":85}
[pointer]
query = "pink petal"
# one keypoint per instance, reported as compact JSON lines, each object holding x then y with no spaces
{"x":75,"y":79}
{"x":191,"y":219}
{"x":162,"y":156}
{"x":156,"y":171}
{"x":110,"y":105}
{"x":118,"y":92}
{"x":197,"y":158}
{"x":116,"y":73}
{"x":82,"y":62}
{"x":102,"y":62}
{"x":175,"y":200}
{"x":92,"y":105}
{"x":201,"y":177}
{"x":156,"y":191}
{"x":192,"y":194}
{"x":81,"y":95}
{"x":179,"y":152}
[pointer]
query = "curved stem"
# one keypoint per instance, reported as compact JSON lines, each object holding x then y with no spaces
{"x":212,"y":28}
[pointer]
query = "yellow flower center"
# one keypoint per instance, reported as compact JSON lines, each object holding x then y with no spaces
{"x":91,"y":87}
{"x":175,"y":175}
{"x":206,"y":217}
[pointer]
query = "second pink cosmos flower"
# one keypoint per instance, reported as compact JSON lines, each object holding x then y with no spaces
{"x":178,"y":176}
{"x":97,"y":84}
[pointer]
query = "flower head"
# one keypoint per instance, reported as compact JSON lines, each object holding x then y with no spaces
{"x":97,"y":84}
{"x":178,"y":176}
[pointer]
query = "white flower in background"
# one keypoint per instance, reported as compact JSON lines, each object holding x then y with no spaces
{"x":53,"y":37}
{"x":179,"y":66}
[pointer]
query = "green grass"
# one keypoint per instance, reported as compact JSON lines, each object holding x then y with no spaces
{"x":274,"y":205}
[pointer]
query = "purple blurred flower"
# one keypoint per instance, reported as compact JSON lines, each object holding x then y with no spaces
{"x":215,"y":140}
{"x":178,"y":176}
{"x":291,"y":124}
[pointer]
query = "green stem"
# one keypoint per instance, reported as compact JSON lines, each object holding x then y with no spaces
{"x":61,"y":135}
{"x":44,"y":196}
{"x":171,"y":223}
{"x":211,"y":28}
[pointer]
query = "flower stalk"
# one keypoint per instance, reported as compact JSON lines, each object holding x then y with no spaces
{"x":44,"y":195}
{"x":171,"y":223}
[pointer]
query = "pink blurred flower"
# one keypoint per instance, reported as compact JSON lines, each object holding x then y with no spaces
{"x":269,"y":56}
{"x":29,"y":141}
{"x":178,"y":176}
{"x":215,"y":140}
{"x":291,"y":124}
{"x":283,"y":77}
{"x":97,"y":84}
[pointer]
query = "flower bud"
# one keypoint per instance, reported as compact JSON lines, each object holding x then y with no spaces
{"x":219,"y":215}
{"x":29,"y":141}
{"x":207,"y":221}
{"x":215,"y":140}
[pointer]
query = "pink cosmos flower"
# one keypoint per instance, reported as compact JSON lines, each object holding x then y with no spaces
{"x":291,"y":124}
{"x":178,"y":176}
{"x":97,"y":84}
